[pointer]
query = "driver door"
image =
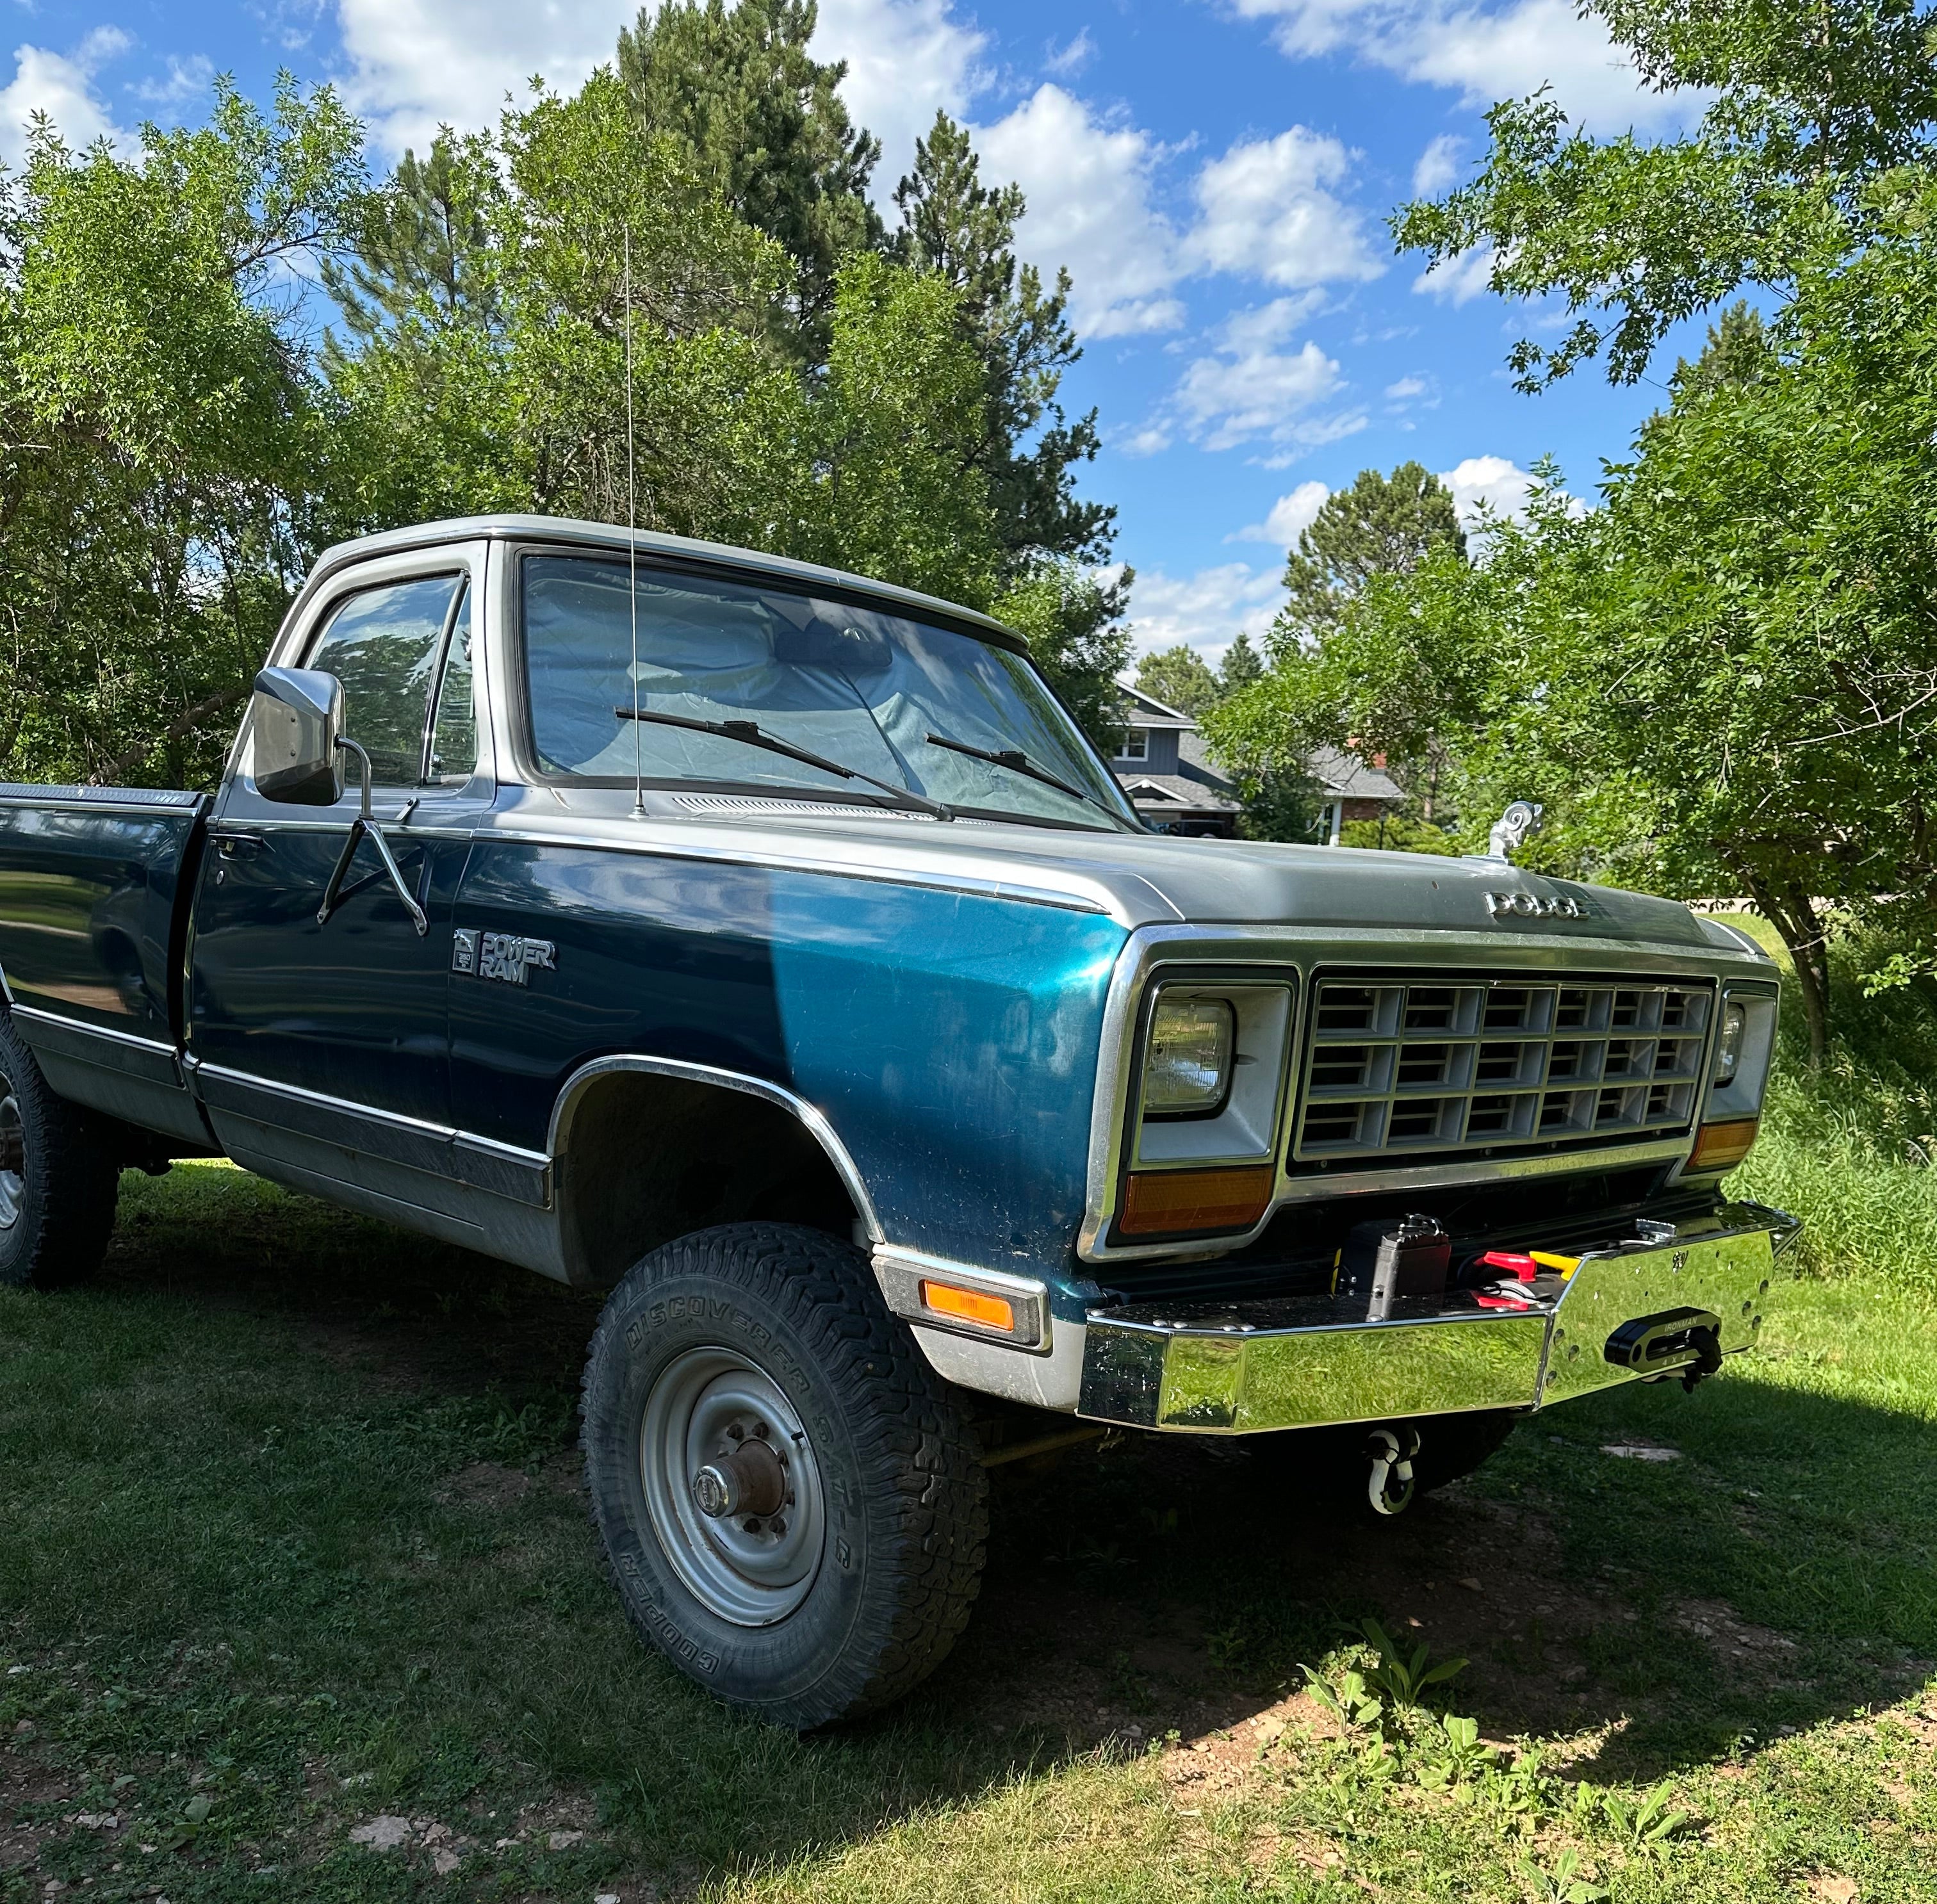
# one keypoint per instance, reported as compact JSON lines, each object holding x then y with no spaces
{"x":323,"y":1045}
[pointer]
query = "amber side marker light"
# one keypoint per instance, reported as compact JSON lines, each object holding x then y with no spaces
{"x":1722,"y":1146}
{"x":1175,"y":1202}
{"x":974,"y":1306}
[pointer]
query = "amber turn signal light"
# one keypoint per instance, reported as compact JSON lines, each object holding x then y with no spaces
{"x":1722,"y":1146}
{"x":975,"y":1306}
{"x":1171,"y":1202}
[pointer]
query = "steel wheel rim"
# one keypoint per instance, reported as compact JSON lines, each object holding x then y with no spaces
{"x":750,"y":1576}
{"x":13,"y":1154}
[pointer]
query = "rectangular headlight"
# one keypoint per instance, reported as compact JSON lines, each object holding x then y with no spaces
{"x":1187,"y":1067}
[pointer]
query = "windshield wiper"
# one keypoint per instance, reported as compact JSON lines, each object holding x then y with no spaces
{"x":754,"y":735}
{"x":1017,"y":762}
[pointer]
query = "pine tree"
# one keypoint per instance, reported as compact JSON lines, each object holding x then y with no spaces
{"x":1381,"y":526}
{"x":953,"y":225}
{"x":1242,"y":664}
{"x":424,"y":246}
{"x":763,"y":122}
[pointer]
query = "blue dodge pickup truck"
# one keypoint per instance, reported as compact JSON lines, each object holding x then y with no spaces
{"x":768,"y":946}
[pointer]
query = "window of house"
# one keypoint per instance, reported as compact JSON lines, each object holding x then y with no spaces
{"x":1135,"y":744}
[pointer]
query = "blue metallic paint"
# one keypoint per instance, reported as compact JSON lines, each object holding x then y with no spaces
{"x":949,"y":1039}
{"x":88,"y":895}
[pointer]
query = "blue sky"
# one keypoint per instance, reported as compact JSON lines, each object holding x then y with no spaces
{"x":1216,"y":174}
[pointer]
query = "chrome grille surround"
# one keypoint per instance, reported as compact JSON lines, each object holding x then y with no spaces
{"x":1405,"y":1067}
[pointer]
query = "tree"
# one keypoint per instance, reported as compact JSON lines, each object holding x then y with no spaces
{"x":762,"y":122}
{"x":964,"y":231}
{"x":1073,"y":619}
{"x":1179,"y":679}
{"x":1810,"y":103}
{"x":161,"y":428}
{"x":1242,"y":666}
{"x":1381,"y":526}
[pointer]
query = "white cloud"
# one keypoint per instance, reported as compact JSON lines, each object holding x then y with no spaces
{"x":906,"y":60}
{"x":1088,"y":185}
{"x":1206,"y":611}
{"x":1065,"y":61}
{"x":1484,"y":52}
{"x":61,"y":86}
{"x":416,"y":64}
{"x":1268,"y":210}
{"x":1460,"y":279}
{"x":1289,"y":517}
{"x":187,"y":79}
{"x":1495,"y":481}
{"x":1254,"y":387}
{"x":1439,"y":166}
{"x":1407,"y":388}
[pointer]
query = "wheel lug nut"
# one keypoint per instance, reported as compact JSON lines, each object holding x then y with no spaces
{"x":777,"y":1527}
{"x":760,"y":1429}
{"x":751,"y":1524}
{"x":737,"y":1432}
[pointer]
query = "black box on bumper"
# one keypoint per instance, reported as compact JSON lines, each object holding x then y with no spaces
{"x":1639,"y":1310}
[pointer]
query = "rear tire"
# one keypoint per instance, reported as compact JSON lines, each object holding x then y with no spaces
{"x":790,"y":1501}
{"x":59,"y":1177}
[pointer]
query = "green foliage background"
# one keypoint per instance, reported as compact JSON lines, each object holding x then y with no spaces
{"x":184,"y":424}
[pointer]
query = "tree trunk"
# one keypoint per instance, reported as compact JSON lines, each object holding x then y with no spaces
{"x":1793,"y":912}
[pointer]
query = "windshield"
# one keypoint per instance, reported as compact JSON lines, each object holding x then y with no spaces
{"x":858,"y":686}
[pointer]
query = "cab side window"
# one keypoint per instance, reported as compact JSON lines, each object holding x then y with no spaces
{"x":386,"y":645}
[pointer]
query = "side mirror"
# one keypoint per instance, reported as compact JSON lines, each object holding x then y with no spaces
{"x":296,"y":720}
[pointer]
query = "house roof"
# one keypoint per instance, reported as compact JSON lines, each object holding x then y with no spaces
{"x":1145,"y":710}
{"x":1173,"y":795}
{"x":1342,"y":776}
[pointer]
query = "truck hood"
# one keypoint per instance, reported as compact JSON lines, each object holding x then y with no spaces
{"x":1156,"y":879}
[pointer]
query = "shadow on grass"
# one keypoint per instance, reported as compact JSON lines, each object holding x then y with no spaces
{"x":293,"y":1497}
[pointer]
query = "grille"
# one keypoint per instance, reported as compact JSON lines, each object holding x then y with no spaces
{"x":1417,"y":1068}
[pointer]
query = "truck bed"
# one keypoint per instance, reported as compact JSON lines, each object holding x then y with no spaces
{"x":96,"y":884}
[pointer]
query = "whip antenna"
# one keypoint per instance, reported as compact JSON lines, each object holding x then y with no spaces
{"x":632,"y":551}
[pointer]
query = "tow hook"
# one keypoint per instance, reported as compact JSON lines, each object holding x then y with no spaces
{"x":1389,"y":1486}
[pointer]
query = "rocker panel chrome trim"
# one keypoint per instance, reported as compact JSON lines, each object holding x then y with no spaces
{"x":523,"y":1176}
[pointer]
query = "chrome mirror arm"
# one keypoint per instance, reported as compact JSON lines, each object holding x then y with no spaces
{"x":361,"y":828}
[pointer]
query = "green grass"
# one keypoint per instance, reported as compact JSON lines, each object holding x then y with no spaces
{"x":290,"y":1541}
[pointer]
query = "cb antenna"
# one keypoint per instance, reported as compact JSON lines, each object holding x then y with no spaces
{"x":632,"y":550}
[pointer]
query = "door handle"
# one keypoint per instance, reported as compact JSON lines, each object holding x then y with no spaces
{"x":240,"y":845}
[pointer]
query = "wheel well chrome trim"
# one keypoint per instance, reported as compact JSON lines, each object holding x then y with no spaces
{"x":823,"y":1132}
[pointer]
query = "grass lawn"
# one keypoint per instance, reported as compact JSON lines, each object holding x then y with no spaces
{"x":298,"y":1599}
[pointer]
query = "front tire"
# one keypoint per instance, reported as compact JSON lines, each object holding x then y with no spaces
{"x":789,"y":1500}
{"x":58,"y":1177}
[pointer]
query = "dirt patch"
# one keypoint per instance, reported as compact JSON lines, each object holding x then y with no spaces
{"x":1738,"y":1642}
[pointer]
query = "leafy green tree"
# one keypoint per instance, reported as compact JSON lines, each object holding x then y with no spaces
{"x":762,"y":122}
{"x":160,"y":426}
{"x":1073,"y":618}
{"x":1179,"y":678}
{"x":1810,"y":103}
{"x":1381,"y":526}
{"x":964,"y":231}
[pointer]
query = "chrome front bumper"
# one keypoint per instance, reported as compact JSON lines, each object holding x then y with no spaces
{"x":1302,"y":1362}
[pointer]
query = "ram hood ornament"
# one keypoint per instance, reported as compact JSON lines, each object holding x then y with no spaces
{"x":1512,"y":831}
